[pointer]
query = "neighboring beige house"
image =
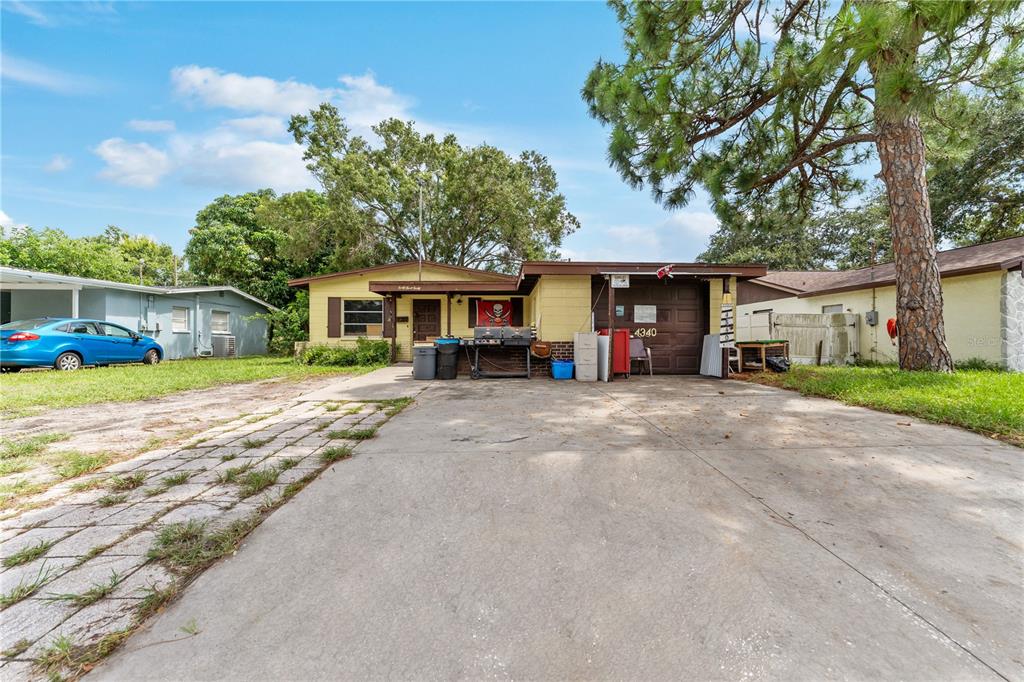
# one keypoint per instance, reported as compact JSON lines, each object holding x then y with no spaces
{"x":983,"y":302}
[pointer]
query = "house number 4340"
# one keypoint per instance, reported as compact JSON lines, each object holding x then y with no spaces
{"x":645,"y":331}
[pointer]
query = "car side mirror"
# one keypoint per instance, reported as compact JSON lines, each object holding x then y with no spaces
{"x":136,"y":337}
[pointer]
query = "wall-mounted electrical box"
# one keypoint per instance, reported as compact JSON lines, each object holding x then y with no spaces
{"x":871,"y":317}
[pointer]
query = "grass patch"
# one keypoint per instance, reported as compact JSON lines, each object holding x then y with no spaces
{"x":120,"y":383}
{"x":16,"y":649}
{"x":231,"y":475}
{"x":9,"y":492}
{"x":15,"y":465}
{"x":26,"y":587}
{"x":28,"y":554}
{"x":92,"y":595}
{"x":335,"y":454}
{"x":111,"y":499}
{"x":393,"y":406}
{"x":33,"y":445}
{"x":257,"y":480}
{"x":332,"y":407}
{"x":227,"y":458}
{"x":356,"y":409}
{"x":72,"y":464}
{"x":154,"y":600}
{"x":991,"y":403}
{"x":288,"y":463}
{"x":91,"y":484}
{"x":123,"y":483}
{"x":175,"y":479}
{"x":353,"y":434}
{"x":63,"y":659}
{"x":191,"y":546}
{"x":250,"y":443}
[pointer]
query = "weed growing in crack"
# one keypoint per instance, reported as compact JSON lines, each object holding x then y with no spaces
{"x":92,"y":595}
{"x":123,"y":483}
{"x":335,"y":454}
{"x":154,"y":599}
{"x":16,"y":649}
{"x":353,"y":434}
{"x":231,"y":475}
{"x":190,"y":546}
{"x":288,"y":463}
{"x":250,"y":443}
{"x":175,"y":479}
{"x":110,"y":500}
{"x":227,"y":458}
{"x":91,"y":484}
{"x":256,"y":480}
{"x":28,"y":554}
{"x":26,"y":587}
{"x":73,"y":464}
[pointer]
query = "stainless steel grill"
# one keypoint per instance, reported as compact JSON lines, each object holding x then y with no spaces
{"x":510,"y":337}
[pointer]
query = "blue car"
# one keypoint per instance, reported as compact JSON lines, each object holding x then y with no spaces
{"x":68,"y":344}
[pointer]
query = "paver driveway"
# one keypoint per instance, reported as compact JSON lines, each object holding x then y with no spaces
{"x":661,"y":528}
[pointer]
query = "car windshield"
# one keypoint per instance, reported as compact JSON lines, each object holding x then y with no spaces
{"x":27,"y":324}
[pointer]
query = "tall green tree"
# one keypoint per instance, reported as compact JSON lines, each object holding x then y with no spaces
{"x":115,"y":255}
{"x":751,"y":98}
{"x":231,"y":245}
{"x":481,"y":207}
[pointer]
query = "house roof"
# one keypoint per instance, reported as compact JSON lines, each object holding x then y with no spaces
{"x":638,"y":268}
{"x":485,"y":274}
{"x":19,"y":276}
{"x":441,"y":287}
{"x":1005,"y":254}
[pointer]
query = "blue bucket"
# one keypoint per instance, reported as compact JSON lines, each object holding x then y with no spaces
{"x":561,"y":369}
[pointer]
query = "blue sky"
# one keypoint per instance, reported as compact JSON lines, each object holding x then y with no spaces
{"x":139,"y":114}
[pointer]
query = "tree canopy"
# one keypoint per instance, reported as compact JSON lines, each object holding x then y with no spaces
{"x":114,"y":255}
{"x":481,"y":207}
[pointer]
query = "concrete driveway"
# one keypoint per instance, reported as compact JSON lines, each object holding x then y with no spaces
{"x":661,"y":528}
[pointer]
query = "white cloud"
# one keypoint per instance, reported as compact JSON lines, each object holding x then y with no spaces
{"x":58,"y":164}
{"x":36,"y":75}
{"x":214,"y":88}
{"x":694,"y":224}
{"x":28,"y":10}
{"x":133,"y":164}
{"x":7,"y":223}
{"x":365,"y":102}
{"x":225,"y":157}
{"x":151,"y":126}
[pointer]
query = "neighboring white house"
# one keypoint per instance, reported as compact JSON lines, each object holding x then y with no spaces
{"x":983,"y":302}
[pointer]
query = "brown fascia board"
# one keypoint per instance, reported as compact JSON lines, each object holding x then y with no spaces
{"x":891,"y":281}
{"x":743,"y":270}
{"x":773,"y":285}
{"x":441,"y":287}
{"x":377,"y":268}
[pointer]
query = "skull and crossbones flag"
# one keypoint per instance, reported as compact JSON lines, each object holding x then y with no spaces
{"x":493,"y":313}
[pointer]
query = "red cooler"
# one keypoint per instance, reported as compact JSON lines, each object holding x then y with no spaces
{"x":620,"y":363}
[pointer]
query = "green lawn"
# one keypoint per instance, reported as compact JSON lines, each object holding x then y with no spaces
{"x":122,"y":383}
{"x":988,"y":402}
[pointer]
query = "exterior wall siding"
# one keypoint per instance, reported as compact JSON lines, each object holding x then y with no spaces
{"x":562,"y":306}
{"x":28,"y":304}
{"x":971,"y":311}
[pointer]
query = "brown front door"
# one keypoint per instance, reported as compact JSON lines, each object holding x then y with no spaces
{"x":426,"y":319}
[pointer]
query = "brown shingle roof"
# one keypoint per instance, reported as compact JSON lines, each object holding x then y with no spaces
{"x":999,"y":255}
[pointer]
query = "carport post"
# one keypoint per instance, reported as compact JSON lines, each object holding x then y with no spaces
{"x":611,"y":328}
{"x":74,"y":300}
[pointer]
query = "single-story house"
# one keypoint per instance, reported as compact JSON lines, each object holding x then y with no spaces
{"x":982,"y":291}
{"x":187,"y":321}
{"x":410,"y":303}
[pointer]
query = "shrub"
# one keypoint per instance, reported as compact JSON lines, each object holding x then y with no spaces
{"x":979,"y":364}
{"x":366,"y":352}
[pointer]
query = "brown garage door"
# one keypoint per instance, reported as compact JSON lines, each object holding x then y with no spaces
{"x":681,"y":308}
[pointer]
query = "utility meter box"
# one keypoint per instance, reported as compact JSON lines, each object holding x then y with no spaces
{"x":871,"y":317}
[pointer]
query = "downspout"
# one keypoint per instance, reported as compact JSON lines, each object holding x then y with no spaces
{"x":195,"y":328}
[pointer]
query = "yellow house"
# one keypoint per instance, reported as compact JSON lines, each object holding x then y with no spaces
{"x":410,"y":303}
{"x":982,"y":291}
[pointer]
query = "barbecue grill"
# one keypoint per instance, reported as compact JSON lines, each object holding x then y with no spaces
{"x":512,"y":337}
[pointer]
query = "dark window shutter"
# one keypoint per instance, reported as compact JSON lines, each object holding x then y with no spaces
{"x":333,"y":318}
{"x":389,"y":317}
{"x":517,"y":312}
{"x":472,"y":312}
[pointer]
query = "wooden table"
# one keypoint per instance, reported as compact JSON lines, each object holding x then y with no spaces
{"x":763,"y":346}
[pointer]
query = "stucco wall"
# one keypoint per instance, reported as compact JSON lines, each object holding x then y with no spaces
{"x":1012,"y":320}
{"x":29,"y":303}
{"x":971,"y":312}
{"x":562,"y":306}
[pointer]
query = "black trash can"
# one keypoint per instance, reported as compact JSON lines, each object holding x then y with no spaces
{"x":447,"y":360}
{"x":424,"y":362}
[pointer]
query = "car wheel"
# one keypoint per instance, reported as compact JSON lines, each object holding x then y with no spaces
{"x":68,"y":362}
{"x":151,"y":357}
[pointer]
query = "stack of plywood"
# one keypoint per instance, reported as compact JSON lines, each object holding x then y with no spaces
{"x":585,"y":355}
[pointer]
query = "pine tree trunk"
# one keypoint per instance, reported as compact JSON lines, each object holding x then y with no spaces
{"x":922,"y":335}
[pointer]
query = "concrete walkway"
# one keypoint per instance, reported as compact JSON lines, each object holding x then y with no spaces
{"x":662,"y":528}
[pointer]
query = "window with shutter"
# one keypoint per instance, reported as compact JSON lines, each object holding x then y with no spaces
{"x":179,"y":319}
{"x":219,"y":322}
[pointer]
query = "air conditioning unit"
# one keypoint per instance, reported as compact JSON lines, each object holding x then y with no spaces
{"x":223,"y":346}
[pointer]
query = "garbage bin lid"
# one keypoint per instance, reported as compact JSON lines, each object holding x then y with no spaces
{"x":424,"y":350}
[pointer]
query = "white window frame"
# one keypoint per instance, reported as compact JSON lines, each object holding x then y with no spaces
{"x":832,"y":312}
{"x":227,"y":321}
{"x":188,"y":320}
{"x":344,"y":315}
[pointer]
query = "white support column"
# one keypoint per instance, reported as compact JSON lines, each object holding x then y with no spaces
{"x":74,"y":300}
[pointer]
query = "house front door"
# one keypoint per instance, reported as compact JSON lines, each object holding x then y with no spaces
{"x":426,"y":319}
